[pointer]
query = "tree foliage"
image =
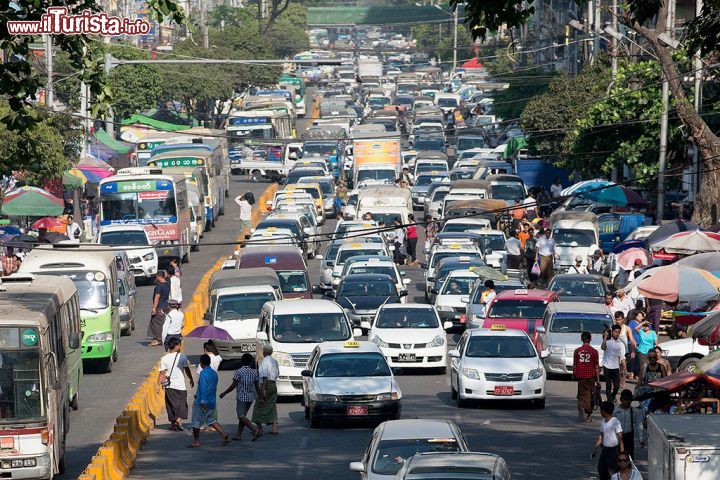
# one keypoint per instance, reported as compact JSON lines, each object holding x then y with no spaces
{"x":524,"y":86}
{"x":437,"y":40}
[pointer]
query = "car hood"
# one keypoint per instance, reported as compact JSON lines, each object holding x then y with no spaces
{"x":572,"y":339}
{"x":239,"y":329}
{"x":355,"y":385}
{"x":407,"y":335}
{"x":365,"y":302}
{"x":502,"y":365}
{"x":451,"y":300}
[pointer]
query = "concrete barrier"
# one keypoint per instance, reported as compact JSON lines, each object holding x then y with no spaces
{"x":117,"y":455}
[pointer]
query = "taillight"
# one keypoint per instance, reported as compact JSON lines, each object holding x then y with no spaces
{"x":463,"y":318}
{"x":45,"y":436}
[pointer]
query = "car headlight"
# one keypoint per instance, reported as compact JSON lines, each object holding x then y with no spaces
{"x":438,"y":341}
{"x":378,"y":341}
{"x":555,"y":350}
{"x":471,"y":373}
{"x":321,"y":397}
{"x":124,"y":309}
{"x":535,"y":373}
{"x":149,"y":256}
{"x":284,"y":359}
{"x":387,"y":396}
{"x":100,"y":337}
{"x":336,"y":281}
{"x":443,"y":308}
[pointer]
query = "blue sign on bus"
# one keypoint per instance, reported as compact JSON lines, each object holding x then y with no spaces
{"x":234,"y":121}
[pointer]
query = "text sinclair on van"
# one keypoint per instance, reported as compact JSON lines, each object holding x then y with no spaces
{"x":57,"y":22}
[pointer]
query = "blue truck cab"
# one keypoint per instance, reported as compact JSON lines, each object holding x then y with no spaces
{"x":614,"y":227}
{"x":329,"y":149}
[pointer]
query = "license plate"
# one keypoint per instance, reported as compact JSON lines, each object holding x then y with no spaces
{"x":504,"y":390}
{"x":367,"y":319}
{"x":357,"y":410}
{"x":7,"y":443}
{"x":406,"y":357}
{"x":247,"y":347}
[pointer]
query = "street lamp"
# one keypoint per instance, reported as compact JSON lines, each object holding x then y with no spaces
{"x":455,"y":31}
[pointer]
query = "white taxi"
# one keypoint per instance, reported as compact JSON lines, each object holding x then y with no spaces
{"x":439,"y":252}
{"x":410,"y":335}
{"x":496,"y":364}
{"x":452,"y":297}
{"x":349,"y":381}
{"x":349,"y":250}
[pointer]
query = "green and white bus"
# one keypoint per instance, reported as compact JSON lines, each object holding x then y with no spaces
{"x":297,"y":86}
{"x":40,"y":373}
{"x":95,"y":276}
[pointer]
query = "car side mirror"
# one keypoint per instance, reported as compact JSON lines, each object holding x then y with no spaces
{"x":465,"y":299}
{"x":454,"y":354}
{"x":74,"y":341}
{"x":247,"y":237}
{"x":357,"y":332}
{"x":306,"y":373}
{"x":544,"y":354}
{"x":336,"y":275}
{"x":307,"y":230}
{"x":448,"y":325}
{"x":207,"y":316}
{"x":540,"y":329}
{"x":316,"y":289}
{"x":434,"y":291}
{"x":330,"y":293}
{"x":357,"y":467}
{"x":116,"y":300}
{"x":403,"y":293}
{"x":262,"y":336}
{"x":365,"y":325}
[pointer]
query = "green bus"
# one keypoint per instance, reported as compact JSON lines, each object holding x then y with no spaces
{"x":297,"y":86}
{"x":95,"y":276}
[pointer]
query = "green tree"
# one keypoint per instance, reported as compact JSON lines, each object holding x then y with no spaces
{"x":437,"y":41}
{"x":135,"y":88}
{"x":40,"y":152}
{"x":524,"y":86}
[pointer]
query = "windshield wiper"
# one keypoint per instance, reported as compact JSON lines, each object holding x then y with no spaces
{"x":89,"y":309}
{"x":351,"y":302}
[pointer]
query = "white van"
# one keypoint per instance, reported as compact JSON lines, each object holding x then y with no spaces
{"x":132,"y":238}
{"x":294,"y":328}
{"x":575,"y":234}
{"x":386,"y":202}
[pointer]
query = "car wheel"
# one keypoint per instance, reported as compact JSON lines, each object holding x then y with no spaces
{"x":307,"y":413}
{"x":453,"y":393}
{"x":106,"y":365}
{"x":194,"y":248}
{"x":115,"y":354}
{"x":688,"y":364}
{"x":186,"y":257}
{"x":132,"y":324}
{"x":75,"y":403}
{"x":314,"y":420}
{"x":461,"y":402}
{"x":539,"y":404}
{"x":255,"y":176}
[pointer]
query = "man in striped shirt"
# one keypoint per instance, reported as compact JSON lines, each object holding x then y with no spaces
{"x":246,"y":383}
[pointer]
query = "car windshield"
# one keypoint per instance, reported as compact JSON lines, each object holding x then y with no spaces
{"x":364,"y":289}
{"x":430,"y":167}
{"x":92,"y":288}
{"x":425,"y":180}
{"x":492,"y":242}
{"x":293,"y":281}
{"x":457,"y":227}
{"x":447,"y":102}
{"x":461,"y":175}
{"x":375,"y":174}
{"x":391,"y":454}
{"x":577,"y":288}
{"x":573,"y":324}
{"x":310,"y":327}
{"x":22,"y":389}
{"x":270,"y":226}
{"x":320,"y":149}
{"x":378,"y":101}
{"x":389,"y":271}
{"x":354,"y":252}
{"x":241,"y":305}
{"x":128,"y":237}
{"x":573,"y":238}
{"x":296,"y":175}
{"x":369,"y":364}
{"x":331,"y":253}
{"x":459,"y":286}
{"x":440,"y":255}
{"x":429,"y":144}
{"x":517,"y":309}
{"x":439,"y":195}
{"x":406,"y":318}
{"x":468,"y":143}
{"x":499,"y":346}
{"x":325,"y":185}
{"x":508,"y":192}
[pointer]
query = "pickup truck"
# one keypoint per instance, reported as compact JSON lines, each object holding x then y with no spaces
{"x":270,"y":161}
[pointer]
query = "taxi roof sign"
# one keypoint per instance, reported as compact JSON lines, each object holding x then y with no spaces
{"x":356,"y":245}
{"x":521,"y":291}
{"x":497,"y":327}
{"x":351,"y":344}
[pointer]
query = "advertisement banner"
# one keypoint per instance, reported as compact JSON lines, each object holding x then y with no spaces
{"x":376,"y":151}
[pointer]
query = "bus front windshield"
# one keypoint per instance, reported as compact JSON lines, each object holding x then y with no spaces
{"x":376,"y":174}
{"x":156,"y":205}
{"x":241,"y":305}
{"x":20,"y":395}
{"x":92,"y":288}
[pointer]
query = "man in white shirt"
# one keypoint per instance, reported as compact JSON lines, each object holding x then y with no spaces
{"x":556,"y":188}
{"x":621,"y":303}
{"x":245,"y":213}
{"x":175,"y":286}
{"x":529,"y":202}
{"x":173,"y":324}
{"x":578,"y":268}
{"x":170,"y":376}
{"x":545,"y":256}
{"x":513,"y":246}
{"x":611,"y":439}
{"x":612,"y":361}
{"x":398,"y":242}
{"x":265,"y":410}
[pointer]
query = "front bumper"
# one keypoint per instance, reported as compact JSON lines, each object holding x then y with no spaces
{"x":146,"y":268}
{"x":376,"y":410}
{"x":485,"y":390}
{"x":42,"y":468}
{"x":96,"y":350}
{"x":430,"y":357}
{"x":455,"y":316}
{"x":559,"y":364}
{"x":362,"y":316}
{"x":234,"y":349}
{"x":125,"y":319}
{"x":168,"y":251}
{"x":418,"y":201}
{"x":289,"y":383}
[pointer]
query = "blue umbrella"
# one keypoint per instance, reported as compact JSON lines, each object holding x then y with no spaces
{"x":605,"y":192}
{"x":10,"y":230}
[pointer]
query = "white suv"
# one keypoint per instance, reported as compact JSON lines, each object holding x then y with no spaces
{"x":135,"y":241}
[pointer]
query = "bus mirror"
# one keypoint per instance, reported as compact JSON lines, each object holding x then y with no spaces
{"x":74,"y":341}
{"x":53,"y":371}
{"x":116,"y":300}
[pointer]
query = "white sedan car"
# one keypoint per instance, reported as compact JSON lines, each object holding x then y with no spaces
{"x":410,"y":335}
{"x":496,"y":364}
{"x":452,"y":298}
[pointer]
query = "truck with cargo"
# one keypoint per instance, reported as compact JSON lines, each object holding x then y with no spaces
{"x":264,"y":160}
{"x":376,"y":161}
{"x":370,"y":67}
{"x":684,"y":447}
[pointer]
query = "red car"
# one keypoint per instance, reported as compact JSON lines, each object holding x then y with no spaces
{"x":519,"y":309}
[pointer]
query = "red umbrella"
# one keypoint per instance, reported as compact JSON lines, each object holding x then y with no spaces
{"x":50,"y":223}
{"x":472,"y":63}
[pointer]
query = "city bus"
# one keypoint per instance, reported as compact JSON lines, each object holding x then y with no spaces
{"x":145,"y":146}
{"x":40,"y":373}
{"x":184,"y":158}
{"x":297,"y":86}
{"x":158,"y":201}
{"x":95,"y":276}
{"x":245,"y":125}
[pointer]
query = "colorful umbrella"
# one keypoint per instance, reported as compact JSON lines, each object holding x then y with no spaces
{"x":489,"y":273}
{"x":689,"y":243}
{"x":92,"y":162}
{"x":707,"y":261}
{"x":94,"y":175}
{"x":31,"y":202}
{"x":211,"y":332}
{"x":707,"y":329}
{"x":676,"y":283}
{"x":709,"y":364}
{"x":626,"y":258}
{"x":73,"y":178}
{"x":51,"y":224}
{"x":606,"y":192}
{"x":678,"y":380}
{"x":472,"y":63}
{"x":668,"y":229}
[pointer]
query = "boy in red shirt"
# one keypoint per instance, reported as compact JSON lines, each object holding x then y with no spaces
{"x":586,"y":370}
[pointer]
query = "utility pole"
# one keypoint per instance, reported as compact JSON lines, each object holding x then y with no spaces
{"x":613,"y":63}
{"x":590,"y":22}
{"x":695,"y":168}
{"x":662,"y":160}
{"x":203,"y":24}
{"x":49,"y":93}
{"x":455,"y":30}
{"x":597,"y":27}
{"x":109,"y":117}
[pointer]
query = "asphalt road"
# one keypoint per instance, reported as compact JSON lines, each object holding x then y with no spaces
{"x":537,"y":444}
{"x":103,"y":396}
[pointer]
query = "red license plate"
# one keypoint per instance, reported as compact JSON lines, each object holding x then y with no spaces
{"x":504,"y":390}
{"x":357,"y":410}
{"x":7,"y":443}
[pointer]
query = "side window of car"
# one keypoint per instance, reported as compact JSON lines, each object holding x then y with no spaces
{"x":461,"y":344}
